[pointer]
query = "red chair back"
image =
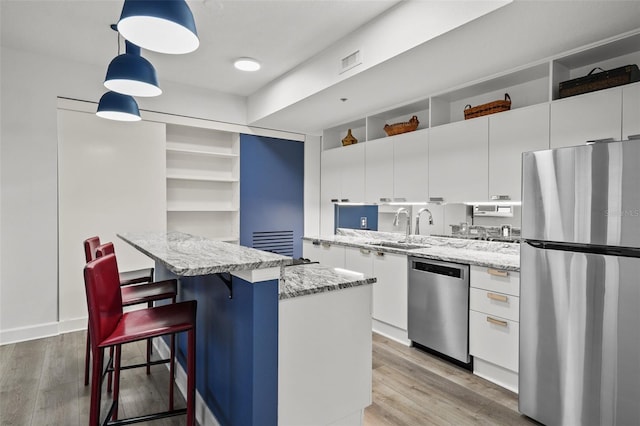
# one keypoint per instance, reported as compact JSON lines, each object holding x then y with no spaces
{"x":105,"y":249}
{"x":90,"y":246}
{"x":104,"y":300}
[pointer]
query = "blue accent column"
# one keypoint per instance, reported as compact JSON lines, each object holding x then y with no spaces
{"x":237,"y":347}
{"x":271,"y":188}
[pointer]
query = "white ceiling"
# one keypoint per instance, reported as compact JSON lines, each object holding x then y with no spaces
{"x":281,"y":34}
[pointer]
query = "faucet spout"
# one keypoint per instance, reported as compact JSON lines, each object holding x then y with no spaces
{"x":424,"y":209}
{"x":396,"y":220}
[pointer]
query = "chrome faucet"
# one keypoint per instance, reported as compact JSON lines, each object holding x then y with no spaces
{"x":396,"y":220}
{"x":424,"y":209}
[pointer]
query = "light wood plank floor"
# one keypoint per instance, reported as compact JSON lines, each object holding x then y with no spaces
{"x":41,"y":383}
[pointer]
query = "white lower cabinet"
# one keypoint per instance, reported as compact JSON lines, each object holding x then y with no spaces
{"x":389,"y":292}
{"x":494,"y":326}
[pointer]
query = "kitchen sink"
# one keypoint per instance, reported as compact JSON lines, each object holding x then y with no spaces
{"x":398,"y":245}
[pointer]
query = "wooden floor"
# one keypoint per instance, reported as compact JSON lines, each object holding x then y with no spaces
{"x":41,"y":383}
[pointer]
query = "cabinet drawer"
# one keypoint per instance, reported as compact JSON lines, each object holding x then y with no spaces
{"x":496,"y":280}
{"x":498,"y":304}
{"x":494,"y":339}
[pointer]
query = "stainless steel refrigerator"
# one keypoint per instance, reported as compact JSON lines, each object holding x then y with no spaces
{"x":580,"y":285}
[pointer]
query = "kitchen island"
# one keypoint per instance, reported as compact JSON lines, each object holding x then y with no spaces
{"x":267,"y":332}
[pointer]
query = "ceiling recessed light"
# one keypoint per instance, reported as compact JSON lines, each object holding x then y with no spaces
{"x":247,"y":64}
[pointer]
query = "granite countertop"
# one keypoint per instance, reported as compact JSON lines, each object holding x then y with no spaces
{"x":313,"y":278}
{"x":189,"y":255}
{"x":492,"y":254}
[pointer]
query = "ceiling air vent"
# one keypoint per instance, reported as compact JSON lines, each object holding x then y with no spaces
{"x":350,"y":61}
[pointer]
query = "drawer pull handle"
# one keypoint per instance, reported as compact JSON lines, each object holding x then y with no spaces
{"x":326,"y":245}
{"x":380,"y":253}
{"x":497,"y":322}
{"x":497,"y":272}
{"x":498,"y":297}
{"x":365,"y":251}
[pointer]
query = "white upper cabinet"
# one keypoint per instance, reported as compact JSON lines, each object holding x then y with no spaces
{"x":352,"y":172}
{"x":411,"y":166}
{"x":379,"y":170}
{"x":510,"y":134}
{"x":458,"y":161}
{"x":330,"y":175}
{"x":592,"y":116}
{"x":631,"y":110}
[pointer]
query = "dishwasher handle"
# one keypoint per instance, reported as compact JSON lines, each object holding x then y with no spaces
{"x":439,"y":269}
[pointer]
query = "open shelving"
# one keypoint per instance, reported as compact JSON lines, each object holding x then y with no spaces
{"x":203,"y":176}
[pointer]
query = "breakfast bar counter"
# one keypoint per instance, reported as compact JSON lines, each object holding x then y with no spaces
{"x":272,"y":346}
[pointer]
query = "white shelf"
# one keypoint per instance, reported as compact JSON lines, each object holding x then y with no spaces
{"x":201,"y":207}
{"x":201,"y":178}
{"x":201,"y":152}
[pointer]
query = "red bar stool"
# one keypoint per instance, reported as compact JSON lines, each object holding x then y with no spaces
{"x":110,"y":327}
{"x":148,"y":292}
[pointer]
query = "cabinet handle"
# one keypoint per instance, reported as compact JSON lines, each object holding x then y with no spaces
{"x":365,"y":251}
{"x":497,"y":272}
{"x":632,"y":137}
{"x":500,"y":198}
{"x":497,"y":322}
{"x":436,"y":199}
{"x":344,"y":200}
{"x":326,"y":244}
{"x":498,"y":297}
{"x":335,"y":200}
{"x":379,"y":253}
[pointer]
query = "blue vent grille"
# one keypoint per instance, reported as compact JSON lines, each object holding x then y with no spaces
{"x":280,"y":242}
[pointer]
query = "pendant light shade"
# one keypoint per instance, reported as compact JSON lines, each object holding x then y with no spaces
{"x":131,"y":74}
{"x":165,"y":26}
{"x":116,"y":106}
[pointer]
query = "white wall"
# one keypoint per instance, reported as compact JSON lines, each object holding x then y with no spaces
{"x":29,"y":87}
{"x":312,"y":148}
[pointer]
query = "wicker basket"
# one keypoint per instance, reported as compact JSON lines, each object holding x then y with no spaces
{"x":488,"y":108}
{"x":407,"y":126}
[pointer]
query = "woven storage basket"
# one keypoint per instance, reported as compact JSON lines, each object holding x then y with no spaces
{"x":488,"y":108}
{"x":397,"y":128}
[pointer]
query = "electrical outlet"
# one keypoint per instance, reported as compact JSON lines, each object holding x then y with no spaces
{"x":363,"y":222}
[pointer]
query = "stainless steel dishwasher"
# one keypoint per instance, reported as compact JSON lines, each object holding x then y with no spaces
{"x":439,"y":307}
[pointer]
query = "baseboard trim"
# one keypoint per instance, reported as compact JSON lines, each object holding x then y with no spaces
{"x":391,"y":332}
{"x":22,"y":334}
{"x":204,"y":416}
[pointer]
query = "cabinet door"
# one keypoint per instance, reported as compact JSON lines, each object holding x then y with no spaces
{"x":378,"y":170}
{"x":582,"y":118}
{"x":311,"y":251}
{"x":330,"y":170}
{"x":510,"y":134}
{"x":332,"y":255}
{"x":630,"y":110}
{"x":410,"y":166}
{"x":352,"y":172}
{"x":390,"y":291}
{"x":458,"y":160}
{"x":359,"y":260}
{"x":494,"y":339}
{"x":330,"y":167}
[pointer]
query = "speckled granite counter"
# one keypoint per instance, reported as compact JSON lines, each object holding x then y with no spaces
{"x":499,"y":255}
{"x":312,"y":278}
{"x":188,"y":255}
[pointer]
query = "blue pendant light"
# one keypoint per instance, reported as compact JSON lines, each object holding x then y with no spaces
{"x":116,"y":106}
{"x":131,"y":74}
{"x":164,"y":26}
